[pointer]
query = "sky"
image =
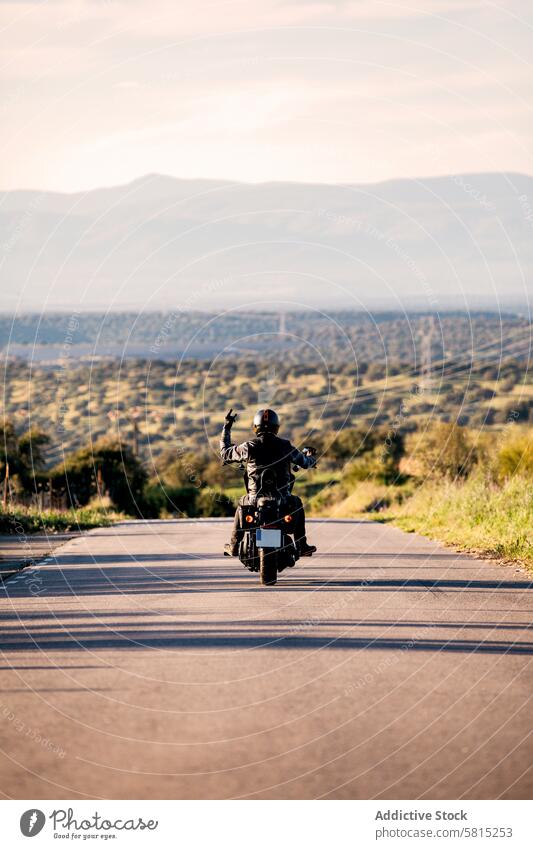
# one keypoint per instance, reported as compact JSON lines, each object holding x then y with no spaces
{"x":100,"y":92}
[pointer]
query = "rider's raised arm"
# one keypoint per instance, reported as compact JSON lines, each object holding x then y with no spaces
{"x":305,"y":461}
{"x":230,"y":453}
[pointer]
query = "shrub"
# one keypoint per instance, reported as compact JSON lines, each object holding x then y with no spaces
{"x":376,"y":371}
{"x":214,"y":503}
{"x":377,"y":465}
{"x":443,"y":450}
{"x":349,"y":443}
{"x":180,"y":501}
{"x":515,"y":456}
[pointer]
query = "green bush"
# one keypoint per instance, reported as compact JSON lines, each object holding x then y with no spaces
{"x":347,"y":444}
{"x":444,"y":450}
{"x":212,"y":502}
{"x":515,"y":456}
{"x":377,"y":465}
{"x":177,"y":501}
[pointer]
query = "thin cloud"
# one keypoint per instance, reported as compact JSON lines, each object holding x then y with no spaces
{"x":102,"y":92}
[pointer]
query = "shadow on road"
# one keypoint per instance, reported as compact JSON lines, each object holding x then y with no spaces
{"x":86,"y":630}
{"x":136,"y":638}
{"x":123,"y":575}
{"x":81,"y":576}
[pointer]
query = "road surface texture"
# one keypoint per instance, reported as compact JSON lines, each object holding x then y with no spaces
{"x":21,"y":549}
{"x":138,"y":663}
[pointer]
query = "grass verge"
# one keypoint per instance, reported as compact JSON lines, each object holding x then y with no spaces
{"x":367,"y":499}
{"x":476,"y":516}
{"x":19,"y":520}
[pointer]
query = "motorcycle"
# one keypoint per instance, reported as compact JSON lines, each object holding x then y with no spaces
{"x":267,"y":545}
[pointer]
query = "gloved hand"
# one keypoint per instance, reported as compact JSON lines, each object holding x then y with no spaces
{"x":230,"y":419}
{"x":310,"y":454}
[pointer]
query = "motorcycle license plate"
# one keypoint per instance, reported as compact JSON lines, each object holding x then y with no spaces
{"x":268,"y":538}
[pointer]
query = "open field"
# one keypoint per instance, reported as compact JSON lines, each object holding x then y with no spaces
{"x":140,"y":436}
{"x":159,"y":406}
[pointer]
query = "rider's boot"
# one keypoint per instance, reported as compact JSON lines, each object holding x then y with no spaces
{"x":231,"y":549}
{"x":304,"y":549}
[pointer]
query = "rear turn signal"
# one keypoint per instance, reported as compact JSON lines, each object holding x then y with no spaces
{"x":248,"y":518}
{"x":287,"y":519}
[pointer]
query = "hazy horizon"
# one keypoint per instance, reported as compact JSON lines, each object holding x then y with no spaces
{"x":419,"y":178}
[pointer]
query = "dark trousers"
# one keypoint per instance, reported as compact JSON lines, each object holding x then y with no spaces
{"x":294,"y":507}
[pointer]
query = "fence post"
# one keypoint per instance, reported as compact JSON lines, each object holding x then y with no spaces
{"x":6,"y":485}
{"x":135,"y":437}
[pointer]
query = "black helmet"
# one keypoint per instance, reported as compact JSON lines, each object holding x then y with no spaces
{"x":266,"y":420}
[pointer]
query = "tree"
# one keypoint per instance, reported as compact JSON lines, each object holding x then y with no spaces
{"x":350,"y":443}
{"x":8,"y":446}
{"x":182,"y":471}
{"x":31,"y":447}
{"x":108,"y":466}
{"x":25,"y":455}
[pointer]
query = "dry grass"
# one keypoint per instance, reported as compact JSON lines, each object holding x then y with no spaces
{"x":475,"y":515}
{"x":366,"y":497}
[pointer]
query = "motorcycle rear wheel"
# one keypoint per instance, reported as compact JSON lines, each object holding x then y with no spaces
{"x":268,"y":567}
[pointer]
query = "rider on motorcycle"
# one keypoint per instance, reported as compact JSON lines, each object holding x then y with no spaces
{"x":266,"y":451}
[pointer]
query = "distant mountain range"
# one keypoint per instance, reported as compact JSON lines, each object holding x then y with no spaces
{"x":161,"y":243}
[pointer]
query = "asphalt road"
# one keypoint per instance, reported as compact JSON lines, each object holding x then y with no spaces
{"x":138,"y":663}
{"x":20,"y":549}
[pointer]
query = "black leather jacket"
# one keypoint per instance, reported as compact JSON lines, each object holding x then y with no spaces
{"x":265,"y":451}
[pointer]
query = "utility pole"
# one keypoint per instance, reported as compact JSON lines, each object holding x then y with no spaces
{"x":426,"y":354}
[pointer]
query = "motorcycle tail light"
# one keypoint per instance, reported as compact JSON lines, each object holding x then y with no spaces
{"x":248,"y":518}
{"x":287,"y":519}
